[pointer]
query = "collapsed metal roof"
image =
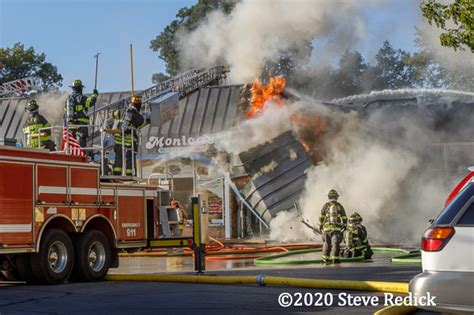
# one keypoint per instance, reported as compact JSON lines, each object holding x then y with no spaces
{"x":279,"y":172}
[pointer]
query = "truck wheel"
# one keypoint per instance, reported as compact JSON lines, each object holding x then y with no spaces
{"x":53,"y":264}
{"x":23,"y":267}
{"x":93,"y":256}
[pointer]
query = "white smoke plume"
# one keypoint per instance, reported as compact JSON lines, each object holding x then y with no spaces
{"x":52,"y":106}
{"x":259,"y":31}
{"x":381,"y":168}
{"x":250,"y":133}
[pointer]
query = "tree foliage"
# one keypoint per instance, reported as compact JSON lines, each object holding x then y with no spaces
{"x":391,"y":69}
{"x":159,"y":77}
{"x":19,"y":62}
{"x":459,"y":15}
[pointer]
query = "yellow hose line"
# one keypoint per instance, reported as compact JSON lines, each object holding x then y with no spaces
{"x":183,"y":278}
{"x":374,"y":286}
{"x":396,"y":310}
{"x":395,"y":287}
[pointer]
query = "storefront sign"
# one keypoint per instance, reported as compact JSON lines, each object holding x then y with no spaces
{"x":187,"y":143}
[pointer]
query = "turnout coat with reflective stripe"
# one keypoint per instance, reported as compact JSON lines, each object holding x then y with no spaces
{"x":31,"y":129}
{"x":332,"y":221}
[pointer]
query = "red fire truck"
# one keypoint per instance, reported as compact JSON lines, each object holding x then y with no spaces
{"x":58,"y":219}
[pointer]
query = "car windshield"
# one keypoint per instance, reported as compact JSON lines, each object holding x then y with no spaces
{"x":450,"y":212}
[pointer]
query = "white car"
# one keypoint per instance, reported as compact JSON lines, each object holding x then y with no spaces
{"x":447,"y":249}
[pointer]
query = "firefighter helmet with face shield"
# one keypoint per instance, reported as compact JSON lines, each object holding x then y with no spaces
{"x":137,"y":102}
{"x":355,"y":218}
{"x":77,"y":86}
{"x":333,"y":194}
{"x":31,"y":106}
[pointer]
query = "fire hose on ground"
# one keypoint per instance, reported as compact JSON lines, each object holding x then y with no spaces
{"x":262,"y":280}
{"x":408,"y":257}
{"x":220,"y":251}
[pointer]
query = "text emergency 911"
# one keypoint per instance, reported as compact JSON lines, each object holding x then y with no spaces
{"x":297,"y":299}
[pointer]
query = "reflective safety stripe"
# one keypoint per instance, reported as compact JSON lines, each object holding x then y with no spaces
{"x":84,"y":120}
{"x":78,"y":108}
{"x":15,"y":228}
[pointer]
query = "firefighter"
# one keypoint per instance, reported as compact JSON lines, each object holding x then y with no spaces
{"x":182,"y":215}
{"x":128,"y":126}
{"x":355,"y":239}
{"x":332,"y":223}
{"x":77,"y":106}
{"x":34,"y":122}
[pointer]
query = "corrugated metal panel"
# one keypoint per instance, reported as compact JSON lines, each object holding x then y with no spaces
{"x":13,"y":116}
{"x":277,"y":188}
{"x":209,"y":110}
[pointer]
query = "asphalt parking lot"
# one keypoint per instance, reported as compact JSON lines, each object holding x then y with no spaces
{"x":152,"y":297}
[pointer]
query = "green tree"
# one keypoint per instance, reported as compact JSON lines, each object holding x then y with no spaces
{"x":18,"y":62}
{"x":395,"y":69}
{"x":159,"y":77}
{"x":188,"y":19}
{"x":347,"y":77}
{"x":459,"y":14}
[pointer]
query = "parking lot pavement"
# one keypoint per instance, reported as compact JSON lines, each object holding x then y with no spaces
{"x":152,"y":297}
{"x":163,"y":298}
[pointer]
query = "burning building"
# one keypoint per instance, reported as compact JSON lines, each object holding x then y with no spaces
{"x":222,"y":141}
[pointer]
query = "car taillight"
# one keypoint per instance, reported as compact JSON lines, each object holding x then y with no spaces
{"x":434,"y":239}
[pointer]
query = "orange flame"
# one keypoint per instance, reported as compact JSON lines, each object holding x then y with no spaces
{"x":262,"y":93}
{"x":317,"y":124}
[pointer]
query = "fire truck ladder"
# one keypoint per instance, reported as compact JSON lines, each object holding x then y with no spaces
{"x":183,"y":84}
{"x":20,"y":86}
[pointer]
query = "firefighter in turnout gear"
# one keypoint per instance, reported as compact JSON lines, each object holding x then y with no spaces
{"x":355,"y":238}
{"x":35,"y":121}
{"x":77,"y":106}
{"x":128,"y":126}
{"x":332,"y":223}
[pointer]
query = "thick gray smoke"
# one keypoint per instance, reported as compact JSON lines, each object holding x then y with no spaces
{"x":384,"y":165}
{"x":259,"y":31}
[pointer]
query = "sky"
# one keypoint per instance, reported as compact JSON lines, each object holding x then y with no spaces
{"x":71,"y":32}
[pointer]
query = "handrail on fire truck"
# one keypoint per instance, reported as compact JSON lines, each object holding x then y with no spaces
{"x":102,"y":148}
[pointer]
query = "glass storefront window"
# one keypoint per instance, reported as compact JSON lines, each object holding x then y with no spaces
{"x":213,"y":191}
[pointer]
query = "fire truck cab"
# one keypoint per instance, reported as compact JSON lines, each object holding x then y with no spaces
{"x":58,"y":220}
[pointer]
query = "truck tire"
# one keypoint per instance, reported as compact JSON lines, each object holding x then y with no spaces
{"x":54,"y":262}
{"x":23,"y":267}
{"x":93,"y":256}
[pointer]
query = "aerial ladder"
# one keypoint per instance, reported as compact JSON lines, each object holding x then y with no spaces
{"x":20,"y":86}
{"x":177,"y":88}
{"x":182,"y":85}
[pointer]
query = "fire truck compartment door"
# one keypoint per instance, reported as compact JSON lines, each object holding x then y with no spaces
{"x":16,"y":203}
{"x":131,"y":214}
{"x":52,"y":184}
{"x":83,"y":185}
